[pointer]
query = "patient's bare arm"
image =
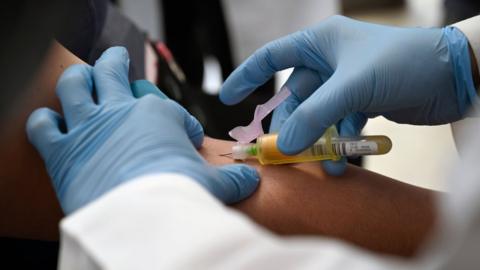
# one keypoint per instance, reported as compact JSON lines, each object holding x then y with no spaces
{"x":362,"y":207}
{"x":28,"y":204}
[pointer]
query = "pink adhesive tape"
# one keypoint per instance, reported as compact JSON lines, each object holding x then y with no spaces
{"x":254,"y":129}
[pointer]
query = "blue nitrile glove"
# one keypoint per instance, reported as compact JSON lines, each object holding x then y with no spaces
{"x":351,"y":70}
{"x":98,"y":145}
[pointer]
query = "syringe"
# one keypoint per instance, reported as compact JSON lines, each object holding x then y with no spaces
{"x":329,"y":146}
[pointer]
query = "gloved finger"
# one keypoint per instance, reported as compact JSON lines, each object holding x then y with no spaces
{"x":194,"y":129}
{"x":43,"y":129}
{"x":110,"y":75}
{"x":141,"y":88}
{"x":192,"y":126}
{"x":302,"y":83}
{"x":335,"y":167}
{"x":350,"y":126}
{"x":326,"y":106}
{"x":235,"y":182}
{"x":282,"y":112}
{"x":259,"y":67}
{"x":74,"y":89}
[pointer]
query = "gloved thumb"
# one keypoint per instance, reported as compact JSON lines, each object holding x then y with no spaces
{"x":194,"y":129}
{"x":234,"y":182}
{"x":43,"y":128}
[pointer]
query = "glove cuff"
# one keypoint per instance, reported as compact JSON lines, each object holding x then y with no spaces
{"x":459,"y":54}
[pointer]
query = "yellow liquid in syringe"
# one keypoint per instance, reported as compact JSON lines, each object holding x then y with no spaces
{"x":328,"y":147}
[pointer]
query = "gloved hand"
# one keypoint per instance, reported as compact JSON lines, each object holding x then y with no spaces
{"x":351,"y":70}
{"x":103,"y":142}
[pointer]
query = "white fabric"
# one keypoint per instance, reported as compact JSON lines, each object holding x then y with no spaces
{"x":168,"y":221}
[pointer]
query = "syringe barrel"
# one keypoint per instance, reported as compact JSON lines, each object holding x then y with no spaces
{"x":328,"y":147}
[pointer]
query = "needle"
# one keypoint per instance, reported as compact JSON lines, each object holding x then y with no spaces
{"x":226,"y":155}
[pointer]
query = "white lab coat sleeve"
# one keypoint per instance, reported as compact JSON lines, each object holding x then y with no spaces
{"x":168,"y":221}
{"x":471,"y":29}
